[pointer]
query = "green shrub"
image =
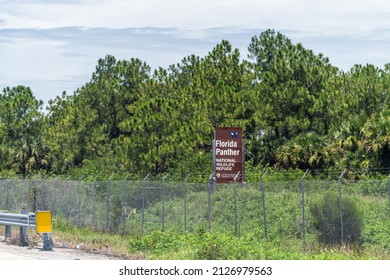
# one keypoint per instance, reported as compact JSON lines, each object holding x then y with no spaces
{"x":155,"y":241}
{"x":326,"y":215}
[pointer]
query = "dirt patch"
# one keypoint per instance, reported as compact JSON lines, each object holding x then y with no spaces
{"x":62,"y":249}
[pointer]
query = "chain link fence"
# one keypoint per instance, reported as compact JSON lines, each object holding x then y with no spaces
{"x":273,"y":209}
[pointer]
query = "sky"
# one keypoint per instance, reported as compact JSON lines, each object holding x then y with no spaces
{"x":53,"y":46}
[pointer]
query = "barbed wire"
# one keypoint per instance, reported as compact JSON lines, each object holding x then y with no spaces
{"x":253,"y":175}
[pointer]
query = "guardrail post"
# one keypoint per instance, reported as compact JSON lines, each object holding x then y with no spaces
{"x":23,"y":231}
{"x":8,"y":230}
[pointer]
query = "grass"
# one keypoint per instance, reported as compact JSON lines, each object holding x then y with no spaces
{"x":170,"y":245}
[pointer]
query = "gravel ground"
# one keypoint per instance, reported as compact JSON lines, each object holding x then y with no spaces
{"x":9,"y":251}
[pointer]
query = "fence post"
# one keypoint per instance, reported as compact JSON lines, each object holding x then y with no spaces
{"x":79,"y":201}
{"x":67,"y":207}
{"x":303,"y":208}
{"x":43,"y":200}
{"x":235,"y":203}
{"x":185,"y":202}
{"x":26,"y":190}
{"x":93,"y":200}
{"x":163,"y":203}
{"x":210,"y":185}
{"x":123,"y":195}
{"x":143,"y":201}
{"x":108,"y":202}
{"x":6,"y":188}
{"x":263,"y":200}
{"x":341,"y":207}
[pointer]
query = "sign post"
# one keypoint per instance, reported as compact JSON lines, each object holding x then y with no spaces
{"x":228,"y":155}
{"x":44,"y":226}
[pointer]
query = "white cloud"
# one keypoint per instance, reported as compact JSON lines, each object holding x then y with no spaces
{"x":41,"y":48}
{"x":307,"y":15}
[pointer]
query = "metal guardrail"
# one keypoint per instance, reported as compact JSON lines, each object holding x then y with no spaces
{"x":29,"y":221}
{"x":22,"y":220}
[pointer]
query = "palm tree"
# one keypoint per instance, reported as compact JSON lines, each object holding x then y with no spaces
{"x":376,"y":141}
{"x":28,"y":155}
{"x":306,"y":151}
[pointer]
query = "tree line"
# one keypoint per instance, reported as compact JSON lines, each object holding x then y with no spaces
{"x":297,"y":111}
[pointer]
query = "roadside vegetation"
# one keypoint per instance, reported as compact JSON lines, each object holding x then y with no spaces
{"x":296,"y":109}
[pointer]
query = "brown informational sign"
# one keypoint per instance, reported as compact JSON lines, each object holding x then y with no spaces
{"x":228,"y":155}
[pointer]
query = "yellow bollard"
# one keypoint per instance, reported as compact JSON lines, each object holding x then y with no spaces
{"x":44,"y":225}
